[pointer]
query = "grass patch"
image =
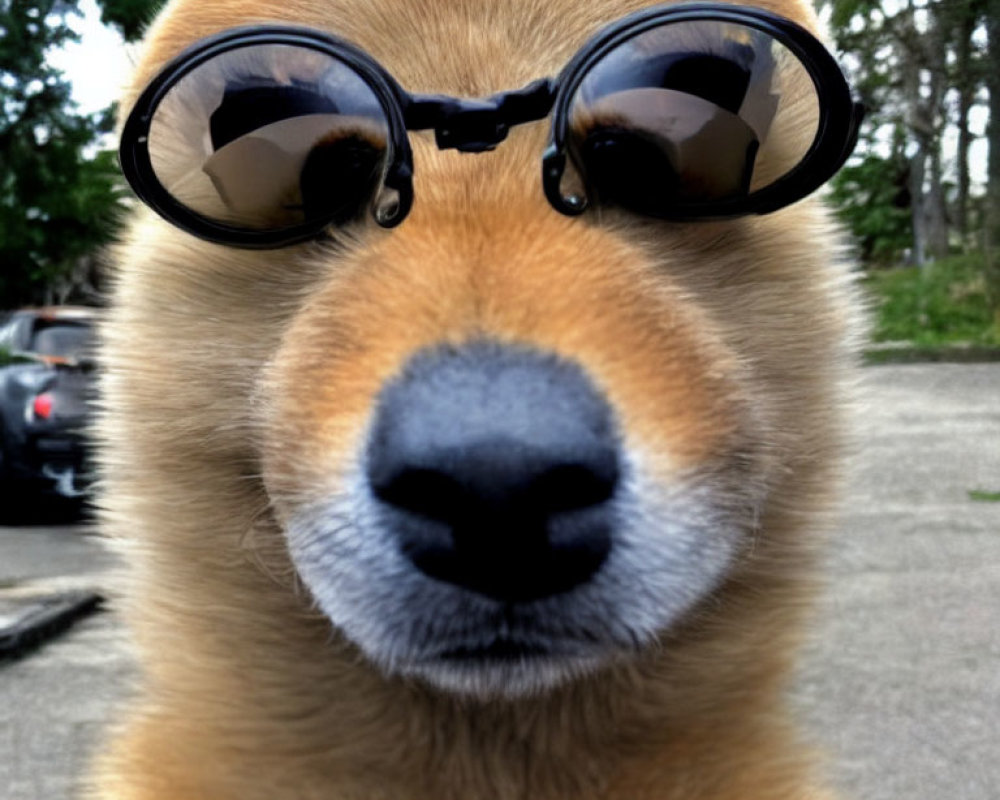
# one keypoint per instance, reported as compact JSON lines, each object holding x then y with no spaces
{"x":942,"y":305}
{"x":981,"y":496}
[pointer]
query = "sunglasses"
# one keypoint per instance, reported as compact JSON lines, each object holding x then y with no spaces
{"x":262,"y":137}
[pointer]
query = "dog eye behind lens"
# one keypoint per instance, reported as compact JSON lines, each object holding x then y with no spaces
{"x":339,"y":175}
{"x":270,"y":136}
{"x":690,"y":114}
{"x":647,"y":148}
{"x":615,"y":157}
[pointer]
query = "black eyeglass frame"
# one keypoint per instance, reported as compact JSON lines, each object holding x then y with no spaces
{"x":840,"y":115}
{"x":475,"y":125}
{"x":137,"y":165}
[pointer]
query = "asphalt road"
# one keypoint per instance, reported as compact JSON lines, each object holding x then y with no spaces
{"x":901,"y":684}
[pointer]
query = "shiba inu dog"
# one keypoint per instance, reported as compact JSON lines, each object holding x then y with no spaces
{"x":474,"y":399}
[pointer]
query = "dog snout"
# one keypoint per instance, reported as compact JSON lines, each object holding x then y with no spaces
{"x":495,"y":469}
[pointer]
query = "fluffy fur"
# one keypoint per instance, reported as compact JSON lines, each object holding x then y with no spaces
{"x":238,"y":392}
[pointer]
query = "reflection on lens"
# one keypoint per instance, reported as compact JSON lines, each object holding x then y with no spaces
{"x":267,"y":137}
{"x":692,"y":113}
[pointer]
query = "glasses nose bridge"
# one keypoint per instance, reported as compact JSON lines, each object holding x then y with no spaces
{"x":476,"y":125}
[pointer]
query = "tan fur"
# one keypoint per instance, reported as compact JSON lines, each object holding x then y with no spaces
{"x":229,"y":371}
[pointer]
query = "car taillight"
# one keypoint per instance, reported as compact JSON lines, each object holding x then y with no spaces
{"x":42,"y":406}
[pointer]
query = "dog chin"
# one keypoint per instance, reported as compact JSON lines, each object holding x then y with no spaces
{"x":500,"y":678}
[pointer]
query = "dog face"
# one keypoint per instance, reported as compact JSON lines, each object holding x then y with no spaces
{"x":493,"y":525}
{"x":500,"y":446}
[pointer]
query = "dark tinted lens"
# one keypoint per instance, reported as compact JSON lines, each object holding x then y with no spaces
{"x":266,"y":137}
{"x":691,"y":113}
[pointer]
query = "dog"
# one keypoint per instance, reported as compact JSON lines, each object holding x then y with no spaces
{"x":494,"y":499}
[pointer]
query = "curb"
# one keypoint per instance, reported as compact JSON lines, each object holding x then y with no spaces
{"x":44,"y":618}
{"x":905,"y":354}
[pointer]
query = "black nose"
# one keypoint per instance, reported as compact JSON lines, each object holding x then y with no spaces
{"x":496,"y":468}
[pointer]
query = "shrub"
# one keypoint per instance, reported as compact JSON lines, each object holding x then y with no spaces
{"x":944,"y":303}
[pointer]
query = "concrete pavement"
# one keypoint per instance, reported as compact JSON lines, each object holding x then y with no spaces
{"x":901,"y":684}
{"x":56,"y":700}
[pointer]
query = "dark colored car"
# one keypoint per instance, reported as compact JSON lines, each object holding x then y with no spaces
{"x":46,"y":387}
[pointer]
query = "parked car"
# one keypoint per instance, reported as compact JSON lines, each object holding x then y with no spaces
{"x":46,"y":388}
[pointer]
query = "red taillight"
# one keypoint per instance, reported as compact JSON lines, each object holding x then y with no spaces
{"x":43,"y":406}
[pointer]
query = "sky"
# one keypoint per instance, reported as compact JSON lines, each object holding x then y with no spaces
{"x":98,"y":65}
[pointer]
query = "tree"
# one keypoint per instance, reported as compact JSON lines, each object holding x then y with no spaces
{"x":872,"y":196}
{"x":919,"y":68}
{"x":967,"y":77}
{"x":130,"y":17}
{"x":60,"y":197}
{"x":992,"y":17}
{"x":993,"y":130}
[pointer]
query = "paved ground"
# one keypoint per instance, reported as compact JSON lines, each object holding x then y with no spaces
{"x":55,"y":700}
{"x":902,"y":682}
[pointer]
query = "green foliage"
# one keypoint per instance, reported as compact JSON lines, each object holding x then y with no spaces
{"x":943,"y":304}
{"x":981,"y":496}
{"x":7,"y":357}
{"x":59,"y":196}
{"x":129,"y":16}
{"x":872,"y":199}
{"x":843,"y":11}
{"x":920,"y":69}
{"x":57,"y":200}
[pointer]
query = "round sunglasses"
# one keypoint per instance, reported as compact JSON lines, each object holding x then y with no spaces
{"x":265,"y":136}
